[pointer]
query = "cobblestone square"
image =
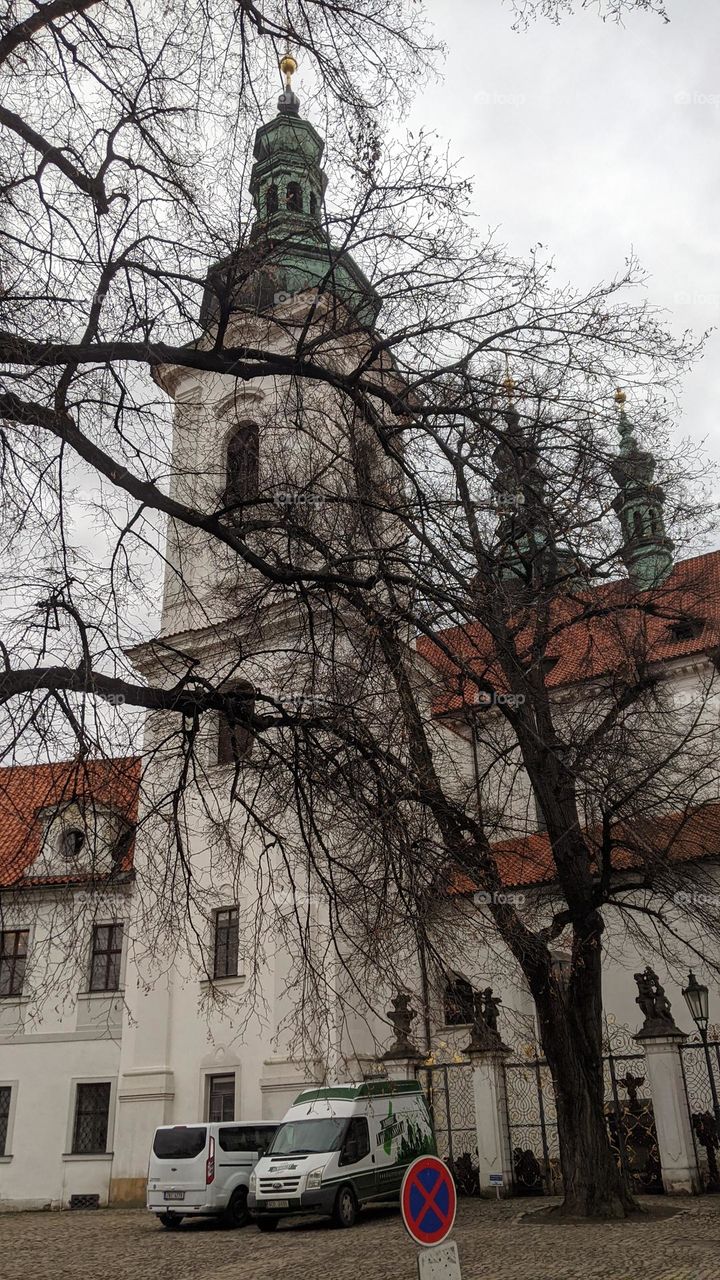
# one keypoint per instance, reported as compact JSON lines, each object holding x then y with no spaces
{"x":493,"y":1244}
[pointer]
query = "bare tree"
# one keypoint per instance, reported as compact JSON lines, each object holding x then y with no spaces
{"x":400,"y":534}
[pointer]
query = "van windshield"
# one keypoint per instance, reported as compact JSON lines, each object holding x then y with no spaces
{"x":306,"y":1137}
{"x":182,"y":1142}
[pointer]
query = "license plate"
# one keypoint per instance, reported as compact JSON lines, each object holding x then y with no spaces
{"x":173,"y":1195}
{"x":278,"y":1204}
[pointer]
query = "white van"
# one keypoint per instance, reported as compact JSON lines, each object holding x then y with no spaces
{"x":339,"y":1148}
{"x":204,"y":1169}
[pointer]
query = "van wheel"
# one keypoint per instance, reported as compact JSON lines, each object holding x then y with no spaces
{"x":171,"y":1221}
{"x":268,"y":1224}
{"x":236,"y":1213}
{"x":345,"y":1209}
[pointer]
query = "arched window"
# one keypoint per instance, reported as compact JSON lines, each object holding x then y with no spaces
{"x":638,"y":528}
{"x":458,"y":1001}
{"x":242,"y":465}
{"x":313,"y":203}
{"x":294,"y":197}
{"x":234,"y":740}
{"x":653,"y":521}
{"x":71,"y":843}
{"x":271,"y":200}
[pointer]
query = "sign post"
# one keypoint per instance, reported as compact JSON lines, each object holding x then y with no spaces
{"x":497,"y":1181}
{"x":428,"y":1201}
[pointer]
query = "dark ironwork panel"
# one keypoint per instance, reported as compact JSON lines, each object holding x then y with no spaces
{"x":701,"y":1069}
{"x":629,"y":1111}
{"x":451,"y":1100}
{"x":532,"y":1126}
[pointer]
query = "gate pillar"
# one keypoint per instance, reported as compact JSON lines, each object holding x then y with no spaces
{"x":493,"y":1139}
{"x":678,"y":1159}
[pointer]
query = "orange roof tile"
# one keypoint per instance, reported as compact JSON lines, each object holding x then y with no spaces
{"x":592,"y":634}
{"x":670,"y":838}
{"x":27,"y":790}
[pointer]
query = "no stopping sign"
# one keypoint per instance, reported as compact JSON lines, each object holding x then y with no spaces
{"x":428,"y":1200}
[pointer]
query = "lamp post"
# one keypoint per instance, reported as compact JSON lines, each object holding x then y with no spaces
{"x":697,"y":1000}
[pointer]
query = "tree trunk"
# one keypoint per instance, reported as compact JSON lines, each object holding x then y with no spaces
{"x":595,"y":1186}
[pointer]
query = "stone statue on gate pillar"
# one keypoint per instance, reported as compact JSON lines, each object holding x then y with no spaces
{"x":484,"y":1036}
{"x":655,"y":1006}
{"x":401,"y":1016}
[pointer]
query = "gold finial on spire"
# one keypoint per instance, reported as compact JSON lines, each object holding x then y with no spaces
{"x":508,"y":383}
{"x":620,"y":397}
{"x":288,"y":66}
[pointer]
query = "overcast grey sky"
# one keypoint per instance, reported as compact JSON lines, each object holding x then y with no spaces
{"x":592,"y":139}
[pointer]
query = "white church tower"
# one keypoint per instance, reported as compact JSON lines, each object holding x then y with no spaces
{"x":270,"y":463}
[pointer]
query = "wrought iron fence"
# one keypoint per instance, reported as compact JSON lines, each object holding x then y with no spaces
{"x":629,"y":1111}
{"x":451,"y":1099}
{"x":701,"y":1069}
{"x":532,"y":1126}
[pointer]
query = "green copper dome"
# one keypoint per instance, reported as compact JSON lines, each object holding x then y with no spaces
{"x":289,"y":250}
{"x":646,"y":549}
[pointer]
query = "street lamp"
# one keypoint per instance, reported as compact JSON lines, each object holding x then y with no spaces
{"x":697,"y":1000}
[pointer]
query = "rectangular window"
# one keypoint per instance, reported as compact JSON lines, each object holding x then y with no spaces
{"x":234,"y":741}
{"x":247,"y":1137}
{"x":5,"y":1094}
{"x":92,"y":1110}
{"x":221,"y":1098}
{"x":13,"y":955}
{"x":107,"y":940}
{"x":226,"y":943}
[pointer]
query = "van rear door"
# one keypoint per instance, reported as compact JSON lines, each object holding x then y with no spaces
{"x":180,"y":1157}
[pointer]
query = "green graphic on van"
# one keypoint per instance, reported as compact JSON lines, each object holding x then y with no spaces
{"x":415,"y":1140}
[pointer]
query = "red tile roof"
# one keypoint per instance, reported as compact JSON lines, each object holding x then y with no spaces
{"x":591,"y":634}
{"x":668,"y":838}
{"x":27,"y":790}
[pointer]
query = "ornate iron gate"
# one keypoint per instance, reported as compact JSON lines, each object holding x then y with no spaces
{"x":532,"y":1119}
{"x":451,"y":1099}
{"x":629,"y":1111}
{"x":532,"y":1126}
{"x":698,"y":1074}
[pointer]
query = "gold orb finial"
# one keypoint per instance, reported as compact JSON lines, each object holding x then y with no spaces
{"x":620,"y":396}
{"x":288,"y":66}
{"x":508,"y":386}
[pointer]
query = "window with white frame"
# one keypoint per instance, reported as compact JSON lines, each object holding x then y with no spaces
{"x":227,"y":937}
{"x":5,"y":1100}
{"x":13,"y":958}
{"x":221,"y":1098}
{"x":106,"y":957}
{"x":92,"y":1114}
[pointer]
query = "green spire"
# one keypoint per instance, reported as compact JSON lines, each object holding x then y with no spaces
{"x":646,"y":550}
{"x":287,"y":185}
{"x":531,"y":555}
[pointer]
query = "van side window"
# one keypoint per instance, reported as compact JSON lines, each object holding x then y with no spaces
{"x":356,"y":1143}
{"x":247,"y":1137}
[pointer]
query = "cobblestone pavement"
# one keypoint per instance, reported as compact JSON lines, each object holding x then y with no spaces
{"x":494,"y":1245}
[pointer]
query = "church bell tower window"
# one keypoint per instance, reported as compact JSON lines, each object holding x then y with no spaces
{"x":271,"y":200}
{"x":294,"y":199}
{"x":242,"y":466}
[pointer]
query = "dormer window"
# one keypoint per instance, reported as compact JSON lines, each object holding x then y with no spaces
{"x":71,"y":843}
{"x":294,"y":200}
{"x":686,"y":629}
